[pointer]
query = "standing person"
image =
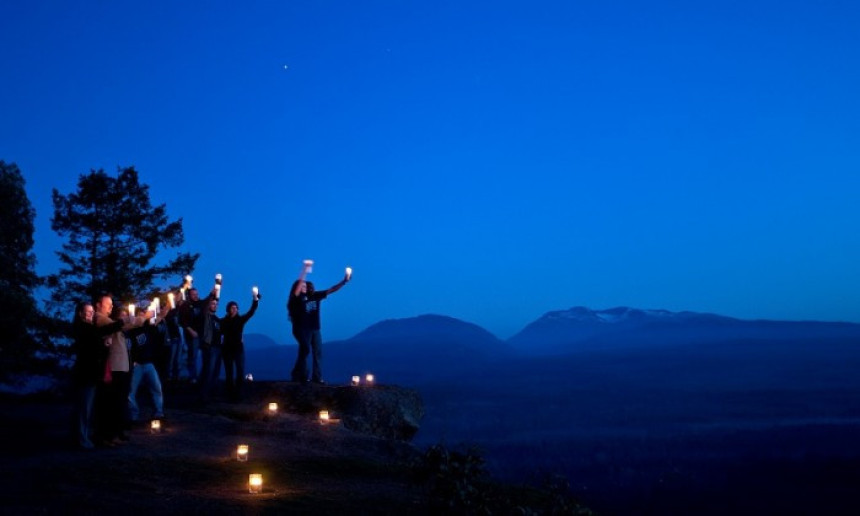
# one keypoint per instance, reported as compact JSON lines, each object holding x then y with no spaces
{"x":232,"y":326}
{"x":88,"y":371}
{"x":145,"y":348}
{"x":191,"y":319}
{"x":304,"y":311}
{"x":210,"y":349}
{"x":114,"y":397}
{"x":174,"y":339}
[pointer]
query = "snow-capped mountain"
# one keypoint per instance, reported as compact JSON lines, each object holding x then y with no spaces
{"x":580,"y":328}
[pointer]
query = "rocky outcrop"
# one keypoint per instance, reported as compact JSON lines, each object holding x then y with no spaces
{"x":385,"y":411}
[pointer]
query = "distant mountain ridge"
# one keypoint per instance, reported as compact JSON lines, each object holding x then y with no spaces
{"x":581,"y":328}
{"x":436,"y":346}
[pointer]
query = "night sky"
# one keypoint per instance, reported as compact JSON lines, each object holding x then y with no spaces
{"x":490,"y":161}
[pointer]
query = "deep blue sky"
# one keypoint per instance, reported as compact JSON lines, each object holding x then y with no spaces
{"x":490,"y":161}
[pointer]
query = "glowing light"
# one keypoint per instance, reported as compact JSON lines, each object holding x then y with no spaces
{"x":255,"y":483}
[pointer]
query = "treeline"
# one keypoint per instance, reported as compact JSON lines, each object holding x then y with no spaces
{"x":114,"y":242}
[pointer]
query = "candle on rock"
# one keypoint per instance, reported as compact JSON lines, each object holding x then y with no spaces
{"x":242,"y":453}
{"x":155,"y":426}
{"x":255,"y":483}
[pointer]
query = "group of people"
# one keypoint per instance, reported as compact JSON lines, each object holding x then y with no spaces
{"x":117,"y":353}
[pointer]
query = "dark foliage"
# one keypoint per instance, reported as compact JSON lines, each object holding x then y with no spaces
{"x":458,"y":483}
{"x":114,"y":235}
{"x":19,"y":316}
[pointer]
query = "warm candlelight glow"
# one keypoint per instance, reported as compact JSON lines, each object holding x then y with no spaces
{"x":255,"y":483}
{"x":369,"y":378}
{"x":273,"y":407}
{"x":356,"y":380}
{"x":172,"y":300}
{"x":131,"y":309}
{"x":324,"y":417}
{"x":242,"y":453}
{"x":155,"y":426}
{"x":348,"y":272}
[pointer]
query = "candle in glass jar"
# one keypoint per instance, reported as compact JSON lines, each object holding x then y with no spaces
{"x":242,"y":453}
{"x":324,"y":417}
{"x":255,"y":483}
{"x":155,"y":426}
{"x":273,"y":407}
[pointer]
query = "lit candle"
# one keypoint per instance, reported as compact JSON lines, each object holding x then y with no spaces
{"x":255,"y":291}
{"x":218,"y":279}
{"x":172,"y":300}
{"x":369,"y":378}
{"x":309,"y":266}
{"x":273,"y":407}
{"x":348,"y":272}
{"x":255,"y":483}
{"x":155,"y":426}
{"x":188,"y":280}
{"x":324,"y":417}
{"x":242,"y":453}
{"x":131,"y":309}
{"x":356,"y":380}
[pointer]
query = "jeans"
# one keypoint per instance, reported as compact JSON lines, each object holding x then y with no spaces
{"x":84,"y":415}
{"x":192,"y":345}
{"x":175,"y":358}
{"x":211,"y":370}
{"x":145,"y":373}
{"x":309,"y":341}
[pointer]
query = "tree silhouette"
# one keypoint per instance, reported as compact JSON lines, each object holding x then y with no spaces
{"x":18,"y":312}
{"x":114,"y":235}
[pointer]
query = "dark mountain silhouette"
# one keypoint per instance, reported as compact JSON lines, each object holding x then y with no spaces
{"x":396,"y":350}
{"x":258,"y":340}
{"x":580,"y":329}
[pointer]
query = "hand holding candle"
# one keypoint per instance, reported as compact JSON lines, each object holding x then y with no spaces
{"x":348,"y":273}
{"x":218,"y":291}
{"x":218,"y":278}
{"x":255,"y":292}
{"x":309,"y":266}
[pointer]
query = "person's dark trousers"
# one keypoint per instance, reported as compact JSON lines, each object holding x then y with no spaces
{"x":211,"y":370}
{"x":316,"y":348}
{"x":234,"y":361}
{"x":300,"y":369}
{"x":112,"y":406}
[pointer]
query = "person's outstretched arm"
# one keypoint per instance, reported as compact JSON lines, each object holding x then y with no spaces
{"x":335,"y":288}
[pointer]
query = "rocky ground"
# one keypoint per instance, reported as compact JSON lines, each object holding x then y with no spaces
{"x":190,"y":467}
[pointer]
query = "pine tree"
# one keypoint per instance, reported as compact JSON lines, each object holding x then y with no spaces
{"x":18,"y":279}
{"x":114,"y":235}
